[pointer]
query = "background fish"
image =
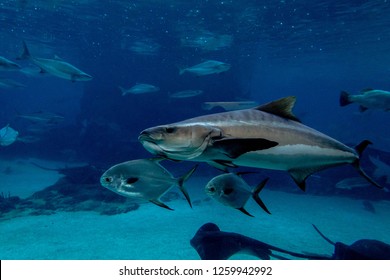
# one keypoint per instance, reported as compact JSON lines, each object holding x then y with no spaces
{"x":8,"y":65}
{"x":186,"y":93}
{"x":143,"y":179}
{"x":139,"y":89}
{"x":231,"y":190}
{"x":57,"y":67}
{"x":367,"y":99}
{"x":8,"y":135}
{"x":206,"y":68}
{"x":229,"y":105}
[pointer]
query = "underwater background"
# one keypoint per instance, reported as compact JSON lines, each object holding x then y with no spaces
{"x":49,"y":177}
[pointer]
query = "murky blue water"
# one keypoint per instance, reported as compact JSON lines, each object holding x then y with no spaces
{"x":312,"y":50}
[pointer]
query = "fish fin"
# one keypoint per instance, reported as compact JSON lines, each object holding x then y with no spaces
{"x":220,"y":164}
{"x":181,"y":181}
{"x":299,"y":176}
{"x":25,"y":54}
{"x":359,"y":150}
{"x":256,"y":196}
{"x":362,"y":108}
{"x":235,"y":147}
{"x":159,"y":203}
{"x":56,"y":57}
{"x":344,"y":99}
{"x":281,"y":107}
{"x":42,"y":71}
{"x":323,"y":236}
{"x":123,"y":90}
{"x":245,"y":212}
{"x":73,"y":78}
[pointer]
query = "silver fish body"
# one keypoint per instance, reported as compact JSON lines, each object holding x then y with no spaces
{"x":232,"y":191}
{"x":143,"y":179}
{"x":207,"y":68}
{"x":8,"y":65}
{"x":367,"y":99}
{"x":56,"y":67}
{"x":268,"y":136}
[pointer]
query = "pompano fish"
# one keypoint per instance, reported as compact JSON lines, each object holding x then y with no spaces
{"x":229,"y":105}
{"x":144,"y":179}
{"x":139,"y":89}
{"x":56,"y":67}
{"x":186,"y":93}
{"x":231,"y":190}
{"x":268,"y":136}
{"x":8,"y":135}
{"x":367,"y":99}
{"x":8,"y":65}
{"x":206,"y":68}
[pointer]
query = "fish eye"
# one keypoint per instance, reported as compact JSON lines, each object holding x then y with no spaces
{"x":108,"y":179}
{"x":212,"y":189}
{"x":131,"y":180}
{"x":170,"y":129}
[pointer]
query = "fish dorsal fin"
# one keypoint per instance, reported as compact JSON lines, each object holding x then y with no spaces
{"x":56,"y":57}
{"x":281,"y":107}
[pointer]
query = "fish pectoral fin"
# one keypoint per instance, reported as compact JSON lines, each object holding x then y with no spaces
{"x":222,"y":164}
{"x":159,"y":203}
{"x":245,"y":212}
{"x":235,"y":147}
{"x":300,"y":175}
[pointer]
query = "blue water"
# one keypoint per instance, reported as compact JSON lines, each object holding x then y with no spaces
{"x":309,"y":49}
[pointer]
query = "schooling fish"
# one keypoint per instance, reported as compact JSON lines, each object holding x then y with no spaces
{"x":367,"y":99}
{"x":144,"y":179}
{"x":8,"y":65}
{"x":139,"y":89}
{"x":268,"y":136}
{"x":57,"y":67}
{"x":206,"y":68}
{"x":231,"y":190}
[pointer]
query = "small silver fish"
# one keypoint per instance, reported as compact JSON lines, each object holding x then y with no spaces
{"x":8,"y":65}
{"x":186,"y":93}
{"x":231,"y":190}
{"x":8,"y":135}
{"x":229,"y":105}
{"x":144,"y":179}
{"x":367,"y":99}
{"x":139,"y":89}
{"x":56,"y":67}
{"x":206,"y":68}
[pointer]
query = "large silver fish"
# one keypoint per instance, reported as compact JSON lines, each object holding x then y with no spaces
{"x":268,"y":136}
{"x":206,"y":68}
{"x":143,"y":179}
{"x":367,"y":99}
{"x":231,"y":190}
{"x":56,"y":67}
{"x":8,"y":65}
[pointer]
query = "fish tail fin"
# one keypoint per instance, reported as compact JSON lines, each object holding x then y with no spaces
{"x":344,"y":98}
{"x":181,"y":71}
{"x":256,"y":196}
{"x":359,"y":150}
{"x":123,"y":90}
{"x":181,"y":181}
{"x":25,"y":54}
